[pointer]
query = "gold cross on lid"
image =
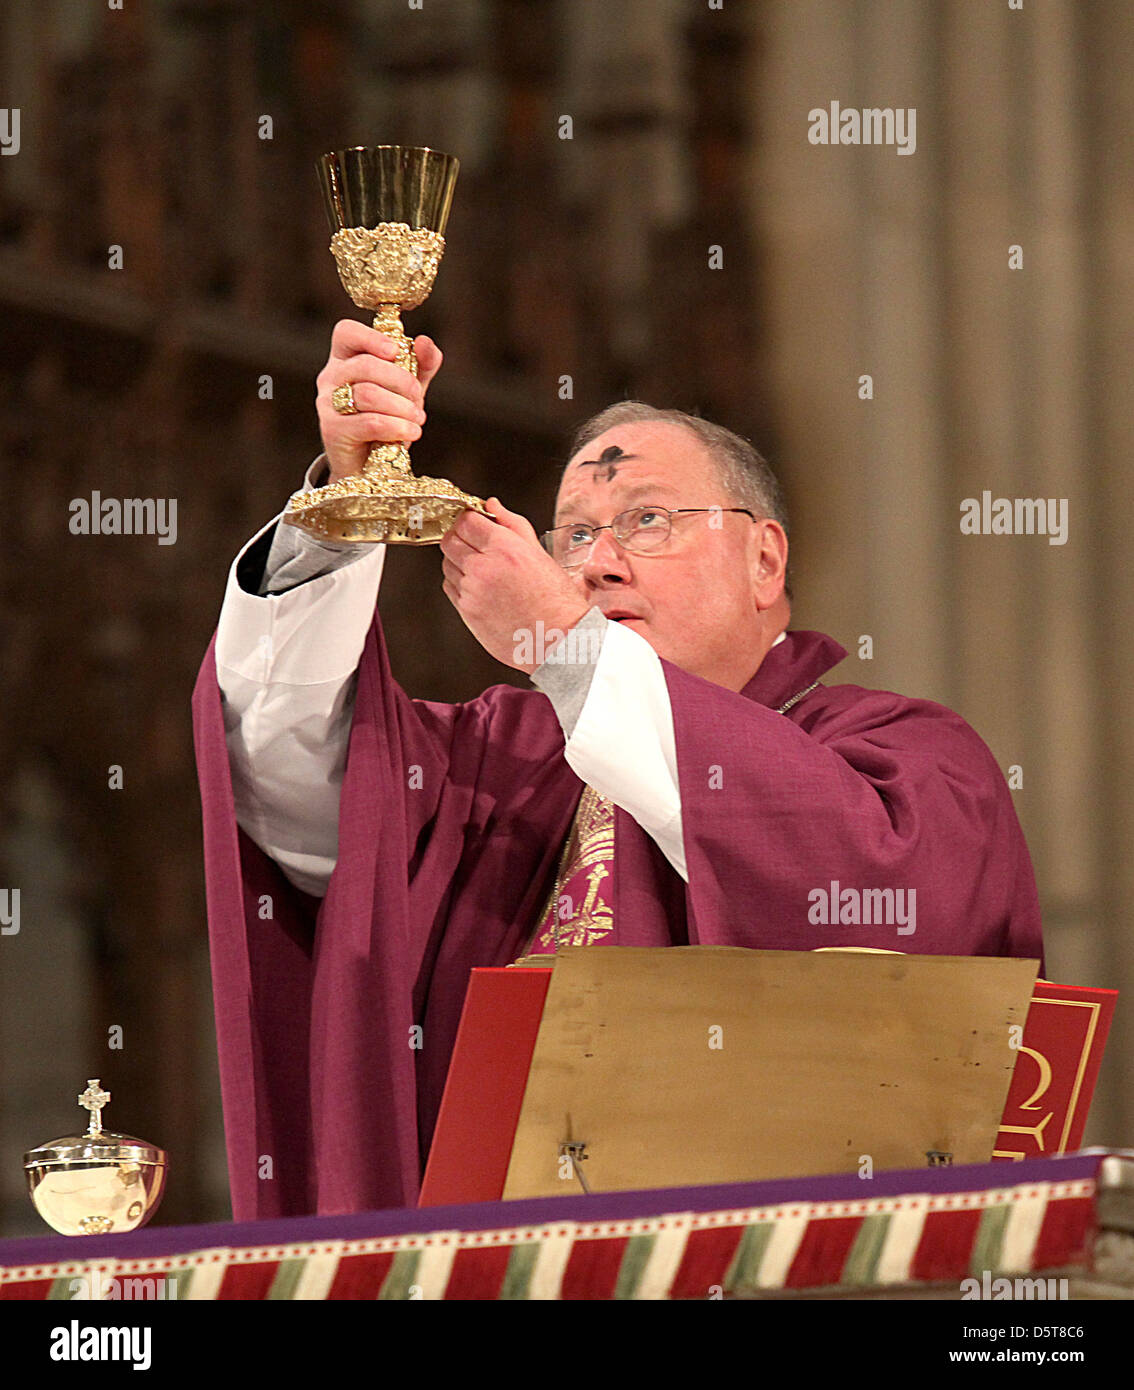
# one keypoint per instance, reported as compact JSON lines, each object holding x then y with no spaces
{"x":93,"y":1099}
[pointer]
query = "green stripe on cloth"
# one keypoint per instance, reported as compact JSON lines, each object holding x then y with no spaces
{"x":403,"y":1272}
{"x":518,"y":1276}
{"x":634,"y":1258}
{"x":67,"y":1285}
{"x":862,"y":1262}
{"x":989,"y":1243}
{"x":745,"y":1267}
{"x":177,"y":1282}
{"x":287,"y":1276}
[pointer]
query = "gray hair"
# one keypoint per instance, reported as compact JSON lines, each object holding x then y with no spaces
{"x":744,"y":473}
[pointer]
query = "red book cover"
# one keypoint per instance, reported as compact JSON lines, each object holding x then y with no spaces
{"x":484,"y":1090}
{"x":1056,"y":1071}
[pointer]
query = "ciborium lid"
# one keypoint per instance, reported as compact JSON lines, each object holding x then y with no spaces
{"x":97,"y":1182}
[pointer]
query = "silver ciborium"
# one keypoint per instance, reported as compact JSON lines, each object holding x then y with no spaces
{"x":98,"y":1182}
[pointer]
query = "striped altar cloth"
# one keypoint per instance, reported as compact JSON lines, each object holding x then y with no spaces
{"x":919,"y":1227}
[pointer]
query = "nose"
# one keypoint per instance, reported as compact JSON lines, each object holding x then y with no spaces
{"x":607,"y":562}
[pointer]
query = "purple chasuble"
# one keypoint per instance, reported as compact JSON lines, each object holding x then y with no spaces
{"x":336,"y":1018}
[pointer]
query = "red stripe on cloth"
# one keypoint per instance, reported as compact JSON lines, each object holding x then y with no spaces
{"x":478,"y":1273}
{"x":34,"y":1289}
{"x":360,"y":1276}
{"x":822,"y":1252}
{"x":248,"y":1282}
{"x":1065,"y":1234}
{"x":946,"y":1244}
{"x":708,"y":1254}
{"x":592,"y":1268}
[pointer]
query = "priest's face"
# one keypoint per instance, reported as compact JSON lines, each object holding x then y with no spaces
{"x":711,"y":601}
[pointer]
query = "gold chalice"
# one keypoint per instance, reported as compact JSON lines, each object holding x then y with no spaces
{"x":388,"y":206}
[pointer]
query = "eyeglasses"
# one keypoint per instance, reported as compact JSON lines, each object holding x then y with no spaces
{"x":641,"y":531}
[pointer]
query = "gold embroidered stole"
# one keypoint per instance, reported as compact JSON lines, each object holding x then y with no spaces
{"x":578,"y":911}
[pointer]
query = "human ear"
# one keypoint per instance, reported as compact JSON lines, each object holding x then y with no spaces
{"x":767,"y":561}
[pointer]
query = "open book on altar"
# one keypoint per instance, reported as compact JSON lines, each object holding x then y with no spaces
{"x":682,"y":1065}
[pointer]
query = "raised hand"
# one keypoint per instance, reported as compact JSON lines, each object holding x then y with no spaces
{"x":510,"y":593}
{"x":389,"y":398}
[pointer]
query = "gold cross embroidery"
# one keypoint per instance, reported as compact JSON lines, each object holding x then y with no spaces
{"x":591,"y":923}
{"x":591,"y":840}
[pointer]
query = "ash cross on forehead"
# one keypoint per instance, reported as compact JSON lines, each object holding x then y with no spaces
{"x":606,"y":465}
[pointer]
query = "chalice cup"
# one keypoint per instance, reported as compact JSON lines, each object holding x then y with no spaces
{"x":387,"y":206}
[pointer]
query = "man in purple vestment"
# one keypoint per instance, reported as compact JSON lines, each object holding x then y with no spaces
{"x":680,"y":774}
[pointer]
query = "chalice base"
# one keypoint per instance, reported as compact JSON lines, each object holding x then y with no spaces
{"x":384,"y":505}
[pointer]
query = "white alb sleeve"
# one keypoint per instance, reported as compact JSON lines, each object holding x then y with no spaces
{"x":286,"y":665}
{"x":623,"y":743}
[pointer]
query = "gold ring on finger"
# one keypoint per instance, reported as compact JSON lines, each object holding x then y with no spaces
{"x":342,"y":398}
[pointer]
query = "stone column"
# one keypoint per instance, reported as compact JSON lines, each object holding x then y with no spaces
{"x":985,"y":377}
